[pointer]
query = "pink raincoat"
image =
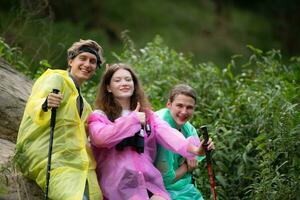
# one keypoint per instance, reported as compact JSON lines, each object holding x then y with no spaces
{"x":127,"y":174}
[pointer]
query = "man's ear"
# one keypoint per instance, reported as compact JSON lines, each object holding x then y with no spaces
{"x":70,"y":62}
{"x":169,"y":104}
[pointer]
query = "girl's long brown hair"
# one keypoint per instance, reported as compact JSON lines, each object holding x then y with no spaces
{"x":105,"y":100}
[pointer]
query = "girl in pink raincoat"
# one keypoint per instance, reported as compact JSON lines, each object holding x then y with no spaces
{"x":124,"y":133}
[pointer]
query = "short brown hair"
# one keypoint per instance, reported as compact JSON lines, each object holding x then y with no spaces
{"x":182,"y":89}
{"x":74,"y":49}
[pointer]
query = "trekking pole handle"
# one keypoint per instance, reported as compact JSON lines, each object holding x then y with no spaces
{"x":55,"y":91}
{"x":204,"y":131}
{"x":53,"y":111}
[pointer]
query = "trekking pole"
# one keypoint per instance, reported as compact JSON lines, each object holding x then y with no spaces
{"x":211,"y":175}
{"x":52,"y":126}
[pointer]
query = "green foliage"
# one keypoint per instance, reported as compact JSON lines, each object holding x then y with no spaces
{"x":251,"y":108}
{"x":12,"y":55}
{"x":253,"y":116}
{"x":211,"y":30}
{"x":15,"y":58}
{"x":3,"y":180}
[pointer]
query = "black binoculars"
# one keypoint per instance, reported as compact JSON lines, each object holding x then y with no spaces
{"x":136,"y":141}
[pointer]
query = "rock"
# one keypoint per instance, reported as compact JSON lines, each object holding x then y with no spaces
{"x":14,"y":92}
{"x":13,"y":186}
{"x":7,"y":149}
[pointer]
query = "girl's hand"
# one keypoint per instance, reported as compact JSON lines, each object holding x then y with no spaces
{"x":200,"y":151}
{"x":141,"y":115}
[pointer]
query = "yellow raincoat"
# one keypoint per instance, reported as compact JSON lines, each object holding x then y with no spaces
{"x":72,"y":162}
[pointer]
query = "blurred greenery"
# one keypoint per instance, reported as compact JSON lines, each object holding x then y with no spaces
{"x":248,"y":94}
{"x":207,"y":30}
{"x":252,"y":114}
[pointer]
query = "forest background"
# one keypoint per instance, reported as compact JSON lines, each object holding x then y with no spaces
{"x":242,"y":57}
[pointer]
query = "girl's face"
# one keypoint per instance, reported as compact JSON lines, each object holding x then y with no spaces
{"x":121,"y":85}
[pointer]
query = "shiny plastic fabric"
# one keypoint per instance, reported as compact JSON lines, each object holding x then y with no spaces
{"x":126,"y":174}
{"x":168,"y":162}
{"x":72,"y":164}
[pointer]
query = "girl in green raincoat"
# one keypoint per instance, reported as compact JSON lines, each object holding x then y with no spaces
{"x":73,"y":174}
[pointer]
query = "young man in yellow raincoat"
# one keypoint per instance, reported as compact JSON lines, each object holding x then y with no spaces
{"x":72,"y":166}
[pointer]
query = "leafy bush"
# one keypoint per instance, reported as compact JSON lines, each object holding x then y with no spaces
{"x":252,"y":111}
{"x":15,"y":58}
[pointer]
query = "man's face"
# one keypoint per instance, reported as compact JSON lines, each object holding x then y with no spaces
{"x":83,"y":66}
{"x":182,"y":109}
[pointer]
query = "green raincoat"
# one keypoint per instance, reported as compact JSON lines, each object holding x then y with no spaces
{"x":72,"y":164}
{"x":168,"y":162}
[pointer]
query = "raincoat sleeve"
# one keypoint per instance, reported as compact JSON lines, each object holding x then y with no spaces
{"x":164,"y":163}
{"x":165,"y":159}
{"x":106,"y":134}
{"x":43,"y":86}
{"x":195,"y":140}
{"x":170,"y":138}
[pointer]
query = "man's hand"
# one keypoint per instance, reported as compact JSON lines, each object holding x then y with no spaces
{"x":191,"y":165}
{"x":54,"y":100}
